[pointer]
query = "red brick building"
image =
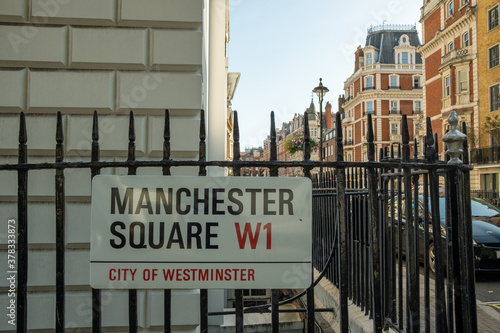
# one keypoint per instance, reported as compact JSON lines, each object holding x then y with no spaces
{"x":449,"y":53}
{"x":387,"y":82}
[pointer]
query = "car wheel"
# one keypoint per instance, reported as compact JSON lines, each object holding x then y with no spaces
{"x":432,"y":258}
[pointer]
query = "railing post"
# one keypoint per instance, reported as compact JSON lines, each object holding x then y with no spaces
{"x":60,"y":241}
{"x":459,"y":204}
{"x":374,"y":232}
{"x":440,"y":296}
{"x":412,"y":262}
{"x":96,"y":293}
{"x":22,"y":229}
{"x":274,"y":173}
{"x":167,"y":293}
{"x":238,"y":293}
{"x":132,"y":170}
{"x":203,"y":172}
{"x":307,"y":173}
{"x":342,"y":226}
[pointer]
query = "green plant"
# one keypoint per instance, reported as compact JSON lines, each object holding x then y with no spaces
{"x":294,"y":143}
{"x":492,"y":127}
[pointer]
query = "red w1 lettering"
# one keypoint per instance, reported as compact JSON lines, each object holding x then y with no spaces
{"x":253,"y":237}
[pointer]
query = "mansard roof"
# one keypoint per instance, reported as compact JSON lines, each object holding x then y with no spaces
{"x":386,"y":37}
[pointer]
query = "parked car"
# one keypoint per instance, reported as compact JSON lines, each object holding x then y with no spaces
{"x":485,"y":233}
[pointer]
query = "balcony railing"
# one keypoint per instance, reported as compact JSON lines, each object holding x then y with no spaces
{"x":394,"y":87}
{"x":348,"y":142}
{"x":485,"y":155}
{"x":420,"y":111}
{"x":368,"y":88}
{"x":457,"y":53}
{"x":368,"y":112}
{"x":393,"y":111}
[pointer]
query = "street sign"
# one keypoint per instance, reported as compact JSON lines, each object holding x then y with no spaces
{"x":166,"y":232}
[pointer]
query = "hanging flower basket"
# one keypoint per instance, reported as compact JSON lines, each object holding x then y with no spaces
{"x":295,"y":143}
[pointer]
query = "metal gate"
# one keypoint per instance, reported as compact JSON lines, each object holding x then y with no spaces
{"x":360,"y":209}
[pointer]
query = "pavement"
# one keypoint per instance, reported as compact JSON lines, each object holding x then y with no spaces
{"x":327,"y":295}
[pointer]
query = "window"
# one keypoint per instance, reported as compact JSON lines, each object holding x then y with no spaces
{"x":369,"y":107}
{"x":451,"y":46}
{"x":465,"y":39}
{"x":394,"y":129}
{"x":369,"y":58}
{"x":404,"y":57}
{"x":447,"y":86}
{"x":493,"y":17}
{"x":463,"y":82}
{"x":449,"y":9}
{"x":394,"y":107}
{"x":369,"y":82}
{"x":493,"y":56}
{"x":495,"y":97}
{"x":463,"y":2}
{"x":393,"y":81}
{"x":416,"y":82}
{"x":417,"y":106}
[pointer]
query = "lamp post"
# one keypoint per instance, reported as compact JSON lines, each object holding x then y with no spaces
{"x":320,"y":91}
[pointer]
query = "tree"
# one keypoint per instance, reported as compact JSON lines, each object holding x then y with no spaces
{"x":492,"y":127}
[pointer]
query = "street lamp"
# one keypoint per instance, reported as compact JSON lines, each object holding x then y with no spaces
{"x":320,"y":91}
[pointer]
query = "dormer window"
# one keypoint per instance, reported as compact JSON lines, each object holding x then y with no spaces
{"x":404,"y":58}
{"x":369,"y":59}
{"x":404,"y":52}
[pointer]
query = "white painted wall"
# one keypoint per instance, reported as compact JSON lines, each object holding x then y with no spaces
{"x":77,"y":56}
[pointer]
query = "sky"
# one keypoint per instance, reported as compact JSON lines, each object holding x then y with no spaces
{"x":283,"y":47}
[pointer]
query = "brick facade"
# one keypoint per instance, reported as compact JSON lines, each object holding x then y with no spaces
{"x":402,"y":94}
{"x":449,"y":62}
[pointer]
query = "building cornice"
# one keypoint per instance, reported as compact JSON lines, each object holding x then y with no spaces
{"x":450,"y":32}
{"x":383,"y":94}
{"x":429,"y":9}
{"x":379,"y":68}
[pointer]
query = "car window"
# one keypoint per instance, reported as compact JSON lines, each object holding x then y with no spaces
{"x":481,"y":208}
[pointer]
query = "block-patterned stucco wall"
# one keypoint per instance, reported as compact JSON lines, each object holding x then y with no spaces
{"x":78,"y":56}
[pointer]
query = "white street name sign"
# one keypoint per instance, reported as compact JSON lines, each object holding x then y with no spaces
{"x":169,"y":232}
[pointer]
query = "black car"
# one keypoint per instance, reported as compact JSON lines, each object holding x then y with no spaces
{"x":485,"y":232}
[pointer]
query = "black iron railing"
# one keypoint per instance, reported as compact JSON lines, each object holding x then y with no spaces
{"x":485,"y":155}
{"x":358,"y":240}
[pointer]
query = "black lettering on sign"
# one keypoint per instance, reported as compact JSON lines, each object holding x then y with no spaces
{"x":116,"y":200}
{"x":115,"y":232}
{"x":238,"y":203}
{"x":142,"y":235}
